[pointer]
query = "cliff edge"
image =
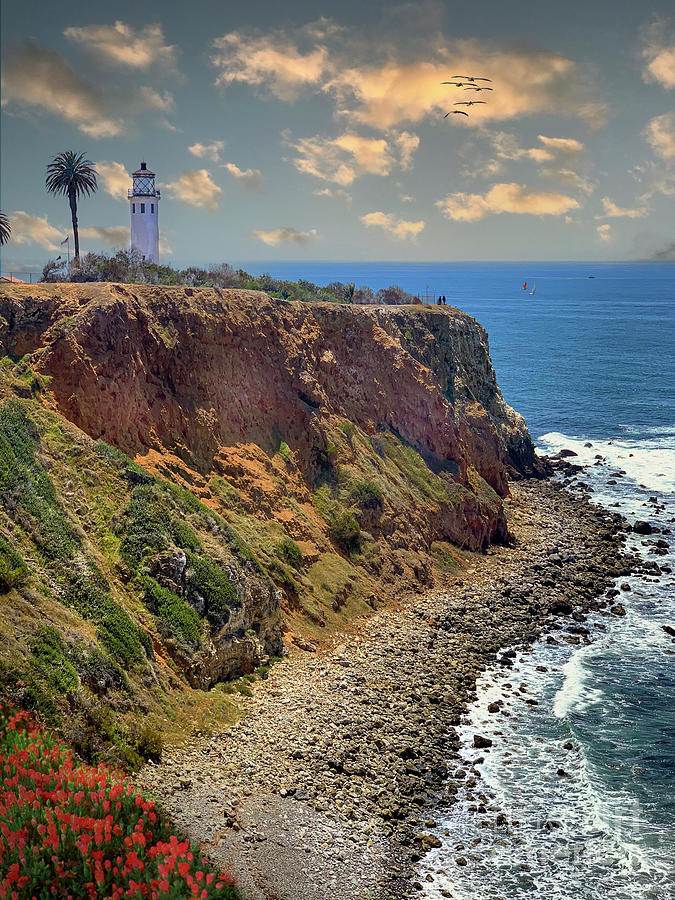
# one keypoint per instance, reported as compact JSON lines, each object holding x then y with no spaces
{"x":229,"y":469}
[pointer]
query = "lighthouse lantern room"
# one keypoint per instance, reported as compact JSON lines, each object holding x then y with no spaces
{"x":144,"y":210}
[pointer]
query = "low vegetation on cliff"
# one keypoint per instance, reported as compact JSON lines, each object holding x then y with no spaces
{"x":128,"y":267}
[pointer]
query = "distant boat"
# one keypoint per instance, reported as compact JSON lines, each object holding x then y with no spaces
{"x":591,"y":276}
{"x":525,"y":286}
{"x":534,"y":288}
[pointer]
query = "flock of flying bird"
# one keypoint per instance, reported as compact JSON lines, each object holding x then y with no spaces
{"x":468,"y":82}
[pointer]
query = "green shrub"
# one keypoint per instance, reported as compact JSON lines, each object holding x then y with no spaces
{"x":149,"y":744}
{"x":367,"y":495}
{"x":208,"y":580}
{"x":285,"y":451}
{"x":345,"y":531}
{"x":49,"y":660}
{"x":13,"y":570}
{"x":347,"y":428}
{"x":289,"y":552}
{"x":87,"y":593}
{"x":148,"y":525}
{"x":99,"y":672}
{"x":119,"y":635}
{"x":26,"y":490}
{"x":173,"y":614}
{"x":184,"y":536}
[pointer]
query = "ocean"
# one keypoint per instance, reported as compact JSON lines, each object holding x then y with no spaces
{"x":589,"y":358}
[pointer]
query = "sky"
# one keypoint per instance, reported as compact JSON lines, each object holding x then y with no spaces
{"x":312,"y":130}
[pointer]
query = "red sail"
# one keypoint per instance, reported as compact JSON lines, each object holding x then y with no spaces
{"x":525,"y":286}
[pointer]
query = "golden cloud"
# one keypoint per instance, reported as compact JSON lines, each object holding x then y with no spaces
{"x":612,"y":211}
{"x":27,"y":229}
{"x":114,"y":178}
{"x":121,"y":44}
{"x":400,"y":229}
{"x":210,"y":151}
{"x":509,"y":198}
{"x":40,"y":77}
{"x":660,"y":134}
{"x":346,"y":157}
{"x":383,"y":88}
{"x":116,"y":236}
{"x":197,"y":189}
{"x":283,"y":235}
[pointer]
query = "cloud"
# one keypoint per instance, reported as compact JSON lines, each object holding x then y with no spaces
{"x":339,"y":194}
{"x":612,"y":211}
{"x":117,"y":236}
{"x":658,"y":52}
{"x":114,"y":179}
{"x":27,"y":229}
{"x":284,"y":235}
{"x":154,"y":100}
{"x":39,"y":77}
{"x":511,"y":198}
{"x":401,"y":229}
{"x":210,"y":151}
{"x":274,"y":61}
{"x":197,"y":189}
{"x":348,"y":156}
{"x":251,"y":179}
{"x":554,"y":156}
{"x":121,"y":44}
{"x":660,"y":135}
{"x":384,"y":83}
{"x":605,"y":233}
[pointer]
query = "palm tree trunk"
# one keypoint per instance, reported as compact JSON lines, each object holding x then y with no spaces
{"x":76,"y":237}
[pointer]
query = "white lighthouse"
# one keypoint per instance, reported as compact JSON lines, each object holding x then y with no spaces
{"x":144,"y":209}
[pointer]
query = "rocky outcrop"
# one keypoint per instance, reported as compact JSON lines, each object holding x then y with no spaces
{"x":455,"y":347}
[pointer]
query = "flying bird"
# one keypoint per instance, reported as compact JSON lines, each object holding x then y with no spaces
{"x":455,"y":83}
{"x":456,"y":112}
{"x":469,"y":102}
{"x":478,"y":89}
{"x":471,"y":78}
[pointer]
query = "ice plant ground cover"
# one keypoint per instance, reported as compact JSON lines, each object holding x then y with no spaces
{"x":68,"y":830}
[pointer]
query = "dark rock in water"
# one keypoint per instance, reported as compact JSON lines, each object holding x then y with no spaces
{"x":566,"y":452}
{"x":568,"y":745}
{"x":642,"y":527}
{"x":669,"y":630}
{"x":625,"y":586}
{"x":480,"y":742}
{"x":617,"y":610}
{"x":588,"y":444}
{"x":461,"y":861}
{"x":493,"y":707}
{"x":562,"y":773}
{"x":561,"y":606}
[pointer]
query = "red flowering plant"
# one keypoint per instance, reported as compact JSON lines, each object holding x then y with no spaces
{"x":68,"y":830}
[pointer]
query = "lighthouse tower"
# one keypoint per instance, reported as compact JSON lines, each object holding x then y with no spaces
{"x":144,"y":209}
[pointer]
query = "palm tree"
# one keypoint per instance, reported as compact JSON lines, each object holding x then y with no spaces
{"x":5,"y":228}
{"x":72,"y":175}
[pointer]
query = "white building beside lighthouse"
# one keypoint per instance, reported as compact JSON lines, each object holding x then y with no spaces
{"x":144,"y":211}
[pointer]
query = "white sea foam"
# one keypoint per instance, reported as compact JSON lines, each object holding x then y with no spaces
{"x":650,"y":463}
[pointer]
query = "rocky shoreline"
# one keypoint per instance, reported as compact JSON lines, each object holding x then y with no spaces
{"x":328,"y":786}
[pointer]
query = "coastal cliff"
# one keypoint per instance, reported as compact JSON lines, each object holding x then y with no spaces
{"x":231,"y":473}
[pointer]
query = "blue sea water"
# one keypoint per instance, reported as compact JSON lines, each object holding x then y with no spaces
{"x":589,"y":358}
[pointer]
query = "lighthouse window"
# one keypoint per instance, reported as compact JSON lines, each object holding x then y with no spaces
{"x":142,"y":207}
{"x":152,"y":207}
{"x":133,"y":207}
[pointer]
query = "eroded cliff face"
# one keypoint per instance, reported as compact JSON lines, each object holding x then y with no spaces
{"x":455,"y":348}
{"x":321,"y":457}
